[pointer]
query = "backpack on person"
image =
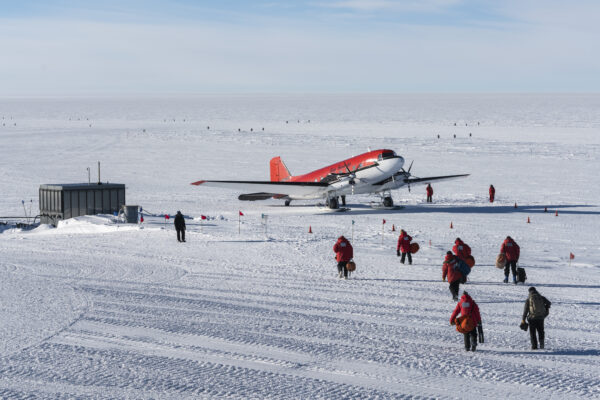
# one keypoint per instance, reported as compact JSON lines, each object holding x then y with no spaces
{"x":537,"y":307}
{"x":462,"y":267}
{"x":465,"y":324}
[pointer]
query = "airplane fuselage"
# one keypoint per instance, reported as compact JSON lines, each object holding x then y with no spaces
{"x":357,"y":175}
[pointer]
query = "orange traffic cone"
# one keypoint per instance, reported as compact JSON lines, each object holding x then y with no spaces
{"x":393,"y":228}
{"x":556,"y":213}
{"x":451,"y":225}
{"x":528,"y":220}
{"x":309,"y":229}
{"x":515,"y":205}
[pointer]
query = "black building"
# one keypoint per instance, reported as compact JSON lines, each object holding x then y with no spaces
{"x":59,"y":202}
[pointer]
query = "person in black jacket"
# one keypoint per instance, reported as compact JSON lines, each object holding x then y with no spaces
{"x":180,"y":227}
{"x":536,"y":309}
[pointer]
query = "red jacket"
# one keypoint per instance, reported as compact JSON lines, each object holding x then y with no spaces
{"x":449,"y":271}
{"x":466,"y":306}
{"x":461,"y":249}
{"x":511,"y":250}
{"x":343,"y":250}
{"x":492,"y":191}
{"x":429,"y":191}
{"x":404,"y":242}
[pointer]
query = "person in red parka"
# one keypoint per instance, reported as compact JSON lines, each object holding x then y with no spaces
{"x":343,"y":253}
{"x":467,"y":306}
{"x":429,"y":191}
{"x":461,"y":249}
{"x":404,"y":246}
{"x":454,"y":276}
{"x":492,"y":193}
{"x":511,"y":251}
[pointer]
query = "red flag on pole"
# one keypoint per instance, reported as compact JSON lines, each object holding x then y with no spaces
{"x":167,"y":216}
{"x":241,"y":214}
{"x":571,"y":256}
{"x":203,"y":216}
{"x":384,"y":221}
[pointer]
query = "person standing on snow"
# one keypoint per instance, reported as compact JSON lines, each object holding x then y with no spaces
{"x":454,"y":276}
{"x":429,"y":191}
{"x":467,"y":306}
{"x":511,"y":251}
{"x":492,"y":193}
{"x":180,"y":227}
{"x":461,"y":249}
{"x":404,"y":246}
{"x":343,"y":253}
{"x":536,"y":309}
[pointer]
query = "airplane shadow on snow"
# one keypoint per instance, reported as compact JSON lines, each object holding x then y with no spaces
{"x":366,"y":209}
{"x":462,"y":209}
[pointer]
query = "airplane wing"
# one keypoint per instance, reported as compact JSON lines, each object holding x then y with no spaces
{"x":412,"y":181}
{"x":261,"y":190}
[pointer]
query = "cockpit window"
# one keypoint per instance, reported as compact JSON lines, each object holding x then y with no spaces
{"x":386,"y":154}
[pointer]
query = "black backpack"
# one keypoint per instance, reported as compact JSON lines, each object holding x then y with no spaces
{"x":537,"y":307}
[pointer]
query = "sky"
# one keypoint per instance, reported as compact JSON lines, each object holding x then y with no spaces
{"x":54,"y":47}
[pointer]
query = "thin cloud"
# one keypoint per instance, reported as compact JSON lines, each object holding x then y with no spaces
{"x":391,"y":5}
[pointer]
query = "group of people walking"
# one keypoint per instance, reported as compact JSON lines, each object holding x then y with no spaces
{"x":456,"y":269}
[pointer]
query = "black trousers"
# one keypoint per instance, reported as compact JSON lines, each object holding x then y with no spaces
{"x":454,"y":286}
{"x":181,"y":235}
{"x":510,"y":265}
{"x":342,"y":267}
{"x":404,"y":258}
{"x":430,"y":199}
{"x":471,"y":339}
{"x":536,"y":325}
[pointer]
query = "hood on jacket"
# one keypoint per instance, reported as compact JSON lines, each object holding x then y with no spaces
{"x":466,"y":297}
{"x":449,"y":256}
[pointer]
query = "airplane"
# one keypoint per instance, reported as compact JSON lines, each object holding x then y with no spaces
{"x":376,"y":171}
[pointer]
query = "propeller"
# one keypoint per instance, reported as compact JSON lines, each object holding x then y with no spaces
{"x":407,"y":173}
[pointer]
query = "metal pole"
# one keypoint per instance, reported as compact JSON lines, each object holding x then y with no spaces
{"x":98,"y":172}
{"x":25,"y":210}
{"x":89,"y":176}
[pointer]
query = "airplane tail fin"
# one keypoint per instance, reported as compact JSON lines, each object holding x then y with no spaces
{"x":279,"y":171}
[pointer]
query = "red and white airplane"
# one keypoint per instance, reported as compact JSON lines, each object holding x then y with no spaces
{"x":377,"y":171}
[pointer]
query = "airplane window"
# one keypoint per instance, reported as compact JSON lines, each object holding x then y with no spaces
{"x":380,"y":157}
{"x":386,"y":154}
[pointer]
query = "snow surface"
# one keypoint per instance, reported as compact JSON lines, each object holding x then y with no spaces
{"x":97,"y":309}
